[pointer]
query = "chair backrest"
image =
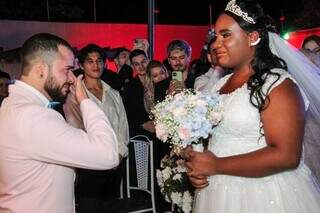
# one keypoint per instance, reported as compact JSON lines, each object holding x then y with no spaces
{"x":142,"y":147}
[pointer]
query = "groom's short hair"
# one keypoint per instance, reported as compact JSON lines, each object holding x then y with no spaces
{"x":42,"y":45}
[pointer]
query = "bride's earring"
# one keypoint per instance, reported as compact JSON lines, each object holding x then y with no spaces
{"x":256,"y":42}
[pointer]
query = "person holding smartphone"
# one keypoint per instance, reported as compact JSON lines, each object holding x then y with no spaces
{"x":179,"y":55}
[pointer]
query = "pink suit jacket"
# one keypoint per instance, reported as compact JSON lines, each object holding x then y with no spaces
{"x":38,"y":151}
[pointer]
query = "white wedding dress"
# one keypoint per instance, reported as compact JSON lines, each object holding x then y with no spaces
{"x":294,"y":191}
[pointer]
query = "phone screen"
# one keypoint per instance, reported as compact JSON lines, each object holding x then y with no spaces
{"x":177,"y":75}
{"x":138,"y":43}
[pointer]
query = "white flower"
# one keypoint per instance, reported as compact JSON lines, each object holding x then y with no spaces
{"x":215,"y":117}
{"x":187,"y":202}
{"x":159,"y":178}
{"x":166,"y":173}
{"x":193,"y":98}
{"x":177,"y":177}
{"x":186,"y":207}
{"x":167,"y":198}
{"x":180,"y":162}
{"x":178,"y":96}
{"x":172,"y":183}
{"x":176,"y":198}
{"x":184,"y":134}
{"x":201,"y":103}
{"x":181,"y":169}
{"x":179,"y":112}
{"x":164,"y":161}
{"x":161,"y":132}
{"x":187,"y":197}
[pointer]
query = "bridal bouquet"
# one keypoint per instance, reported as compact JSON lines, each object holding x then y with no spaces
{"x":174,"y":185}
{"x":187,"y":117}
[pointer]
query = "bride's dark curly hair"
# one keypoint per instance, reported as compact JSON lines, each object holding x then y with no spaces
{"x":264,"y":60}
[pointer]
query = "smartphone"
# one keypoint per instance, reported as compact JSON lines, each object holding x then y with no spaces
{"x":177,"y":75}
{"x":138,"y":43}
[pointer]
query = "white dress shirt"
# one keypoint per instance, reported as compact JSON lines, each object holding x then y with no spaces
{"x":112,"y":106}
{"x":38,"y":151}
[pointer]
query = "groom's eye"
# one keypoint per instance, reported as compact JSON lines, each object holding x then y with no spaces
{"x":226,"y":34}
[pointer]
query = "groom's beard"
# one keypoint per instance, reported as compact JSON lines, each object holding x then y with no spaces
{"x":55,"y":91}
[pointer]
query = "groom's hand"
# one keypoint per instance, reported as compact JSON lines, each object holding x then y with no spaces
{"x":78,"y":89}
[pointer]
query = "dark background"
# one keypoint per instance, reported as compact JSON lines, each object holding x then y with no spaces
{"x":298,"y":14}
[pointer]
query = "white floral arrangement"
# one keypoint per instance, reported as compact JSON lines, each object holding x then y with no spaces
{"x":174,"y":185}
{"x":187,"y":117}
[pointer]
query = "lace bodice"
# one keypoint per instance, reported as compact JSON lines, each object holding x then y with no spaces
{"x":240,"y":130}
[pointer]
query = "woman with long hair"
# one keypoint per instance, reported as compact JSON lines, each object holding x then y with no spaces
{"x":253,"y":162}
{"x":156,"y":71}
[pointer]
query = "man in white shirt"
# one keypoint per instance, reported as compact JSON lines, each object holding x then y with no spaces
{"x":38,"y":149}
{"x":96,"y":187}
{"x":205,"y":82}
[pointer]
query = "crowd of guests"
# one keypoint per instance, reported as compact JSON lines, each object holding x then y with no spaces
{"x":116,"y":102}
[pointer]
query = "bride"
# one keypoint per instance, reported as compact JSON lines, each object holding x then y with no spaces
{"x":253,"y":163}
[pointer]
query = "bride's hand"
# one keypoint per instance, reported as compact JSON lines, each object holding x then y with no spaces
{"x":200,"y":163}
{"x":185,"y":152}
{"x":199,"y":182}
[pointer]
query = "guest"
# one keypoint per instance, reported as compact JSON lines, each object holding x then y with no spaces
{"x":108,"y":76}
{"x":38,"y":149}
{"x":96,"y":187}
{"x":311,"y":49}
{"x":124,"y":70}
{"x":311,"y":43}
{"x":139,"y":97}
{"x":179,"y":55}
{"x":314,"y":57}
{"x":4,"y":82}
{"x":253,"y":159}
{"x":156,"y":71}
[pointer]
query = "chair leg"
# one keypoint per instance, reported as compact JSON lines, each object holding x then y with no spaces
{"x":121,"y":189}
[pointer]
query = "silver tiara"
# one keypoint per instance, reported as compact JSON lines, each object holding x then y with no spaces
{"x":235,"y":9}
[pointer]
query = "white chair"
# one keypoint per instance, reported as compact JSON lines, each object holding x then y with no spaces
{"x":143,"y":156}
{"x":140,"y":155}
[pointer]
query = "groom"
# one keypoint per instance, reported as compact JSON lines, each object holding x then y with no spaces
{"x":38,"y":149}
